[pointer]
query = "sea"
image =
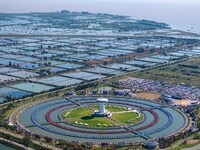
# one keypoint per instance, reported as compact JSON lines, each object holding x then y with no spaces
{"x":179,"y":14}
{"x":184,"y":17}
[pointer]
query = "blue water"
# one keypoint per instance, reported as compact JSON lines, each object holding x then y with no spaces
{"x":180,"y":14}
{"x":5,"y":147}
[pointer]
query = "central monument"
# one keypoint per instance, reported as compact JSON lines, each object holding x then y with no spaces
{"x":102,"y":112}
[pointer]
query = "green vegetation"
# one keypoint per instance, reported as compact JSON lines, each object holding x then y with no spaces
{"x":115,"y":109}
{"x":83,"y":116}
{"x":187,"y":72}
{"x":197,"y":113}
{"x":93,"y":122}
{"x":77,"y":113}
{"x":131,"y":147}
{"x":185,"y":145}
{"x":127,"y":118}
{"x":26,"y":140}
{"x":110,"y":108}
{"x":8,"y":146}
{"x":85,"y":86}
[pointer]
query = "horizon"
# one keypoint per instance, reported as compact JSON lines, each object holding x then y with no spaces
{"x":175,"y":13}
{"x":23,"y":6}
{"x":143,"y":56}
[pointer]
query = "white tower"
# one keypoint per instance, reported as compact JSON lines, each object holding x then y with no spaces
{"x":102,"y":102}
{"x":102,"y":112}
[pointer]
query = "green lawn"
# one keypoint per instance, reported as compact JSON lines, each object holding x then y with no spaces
{"x":125,"y":117}
{"x":79,"y":112}
{"x":83,"y":115}
{"x":93,"y":122}
{"x":110,"y":108}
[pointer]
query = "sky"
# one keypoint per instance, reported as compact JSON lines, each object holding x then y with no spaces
{"x":90,"y":5}
{"x":182,"y":14}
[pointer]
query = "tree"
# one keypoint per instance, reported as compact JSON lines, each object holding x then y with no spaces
{"x":10,"y":63}
{"x":49,"y":63}
{"x":1,"y":116}
{"x":140,"y":50}
{"x":26,"y":140}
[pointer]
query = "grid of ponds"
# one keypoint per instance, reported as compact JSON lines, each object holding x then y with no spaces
{"x":33,"y":87}
{"x":5,"y":78}
{"x":84,"y":75}
{"x":154,"y":60}
{"x":140,"y":63}
{"x":69,"y":66}
{"x":14,"y":93}
{"x":119,"y":66}
{"x":59,"y":81}
{"x":24,"y":74}
{"x":27,"y":59}
{"x":107,"y":71}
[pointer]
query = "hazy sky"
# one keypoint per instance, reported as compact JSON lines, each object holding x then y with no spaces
{"x":90,"y":5}
{"x":177,"y":13}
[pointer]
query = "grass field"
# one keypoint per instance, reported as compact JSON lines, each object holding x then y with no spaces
{"x":79,"y":112}
{"x":83,"y":116}
{"x":93,"y":122}
{"x":125,"y":117}
{"x":110,"y":108}
{"x":185,"y":72}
